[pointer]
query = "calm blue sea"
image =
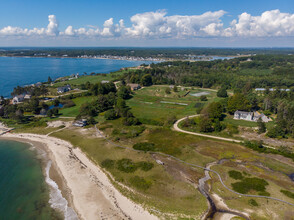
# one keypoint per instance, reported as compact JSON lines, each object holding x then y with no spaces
{"x":24,"y":193}
{"x":22,"y":71}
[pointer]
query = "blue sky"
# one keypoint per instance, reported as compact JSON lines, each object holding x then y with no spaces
{"x":147,"y":23}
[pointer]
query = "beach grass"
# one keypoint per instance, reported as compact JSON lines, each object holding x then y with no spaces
{"x":185,"y":198}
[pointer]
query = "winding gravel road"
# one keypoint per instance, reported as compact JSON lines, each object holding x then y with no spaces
{"x":194,"y":165}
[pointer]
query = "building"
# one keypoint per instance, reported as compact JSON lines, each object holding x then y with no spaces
{"x":17,"y":99}
{"x":271,"y":90}
{"x":27,"y":96}
{"x":80,"y":123}
{"x":38,"y":84}
{"x":104,"y":81}
{"x":251,"y":116}
{"x":134,"y":86}
{"x":63,"y":89}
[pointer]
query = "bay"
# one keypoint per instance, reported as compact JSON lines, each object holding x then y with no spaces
{"x":20,"y":71}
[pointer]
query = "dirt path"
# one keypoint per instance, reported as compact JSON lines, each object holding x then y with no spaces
{"x":176,"y":127}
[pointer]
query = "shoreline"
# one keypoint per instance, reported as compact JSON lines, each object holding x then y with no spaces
{"x":94,"y":58}
{"x":52,"y":175}
{"x":84,"y":185}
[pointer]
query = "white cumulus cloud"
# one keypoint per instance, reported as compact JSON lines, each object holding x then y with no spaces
{"x":158,"y":25}
{"x":268,"y":24}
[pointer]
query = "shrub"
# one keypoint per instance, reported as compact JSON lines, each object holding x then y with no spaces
{"x":232,"y":129}
{"x":222,"y":93}
{"x":145,"y":146}
{"x":167,"y":91}
{"x":126,"y":165}
{"x":171,"y":119}
{"x":276,"y":132}
{"x":264,"y":193}
{"x":287,"y":193}
{"x":252,"y":202}
{"x":203,"y":98}
{"x":135,"y":131}
{"x":140,"y":183}
{"x":110,"y":114}
{"x":235,"y":175}
{"x":107,"y":163}
{"x":68,"y":103}
{"x":130,"y":121}
{"x":145,"y":166}
{"x":255,"y":145}
{"x":248,"y":184}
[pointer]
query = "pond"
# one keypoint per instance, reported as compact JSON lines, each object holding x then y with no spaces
{"x":53,"y":106}
{"x":198,"y":94}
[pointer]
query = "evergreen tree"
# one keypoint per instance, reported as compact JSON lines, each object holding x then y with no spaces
{"x":222,"y":92}
{"x":261,"y":126}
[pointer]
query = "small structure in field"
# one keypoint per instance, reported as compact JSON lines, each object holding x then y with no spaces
{"x":27,"y":96}
{"x":134,"y":86}
{"x":104,"y":81}
{"x":64,"y":89}
{"x":251,"y":116}
{"x":159,"y":162}
{"x":80,"y":123}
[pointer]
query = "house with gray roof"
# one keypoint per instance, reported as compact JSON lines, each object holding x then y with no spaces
{"x":63,"y":89}
{"x":251,"y":116}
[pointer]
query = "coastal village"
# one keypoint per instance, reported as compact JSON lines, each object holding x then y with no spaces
{"x":132,"y":126}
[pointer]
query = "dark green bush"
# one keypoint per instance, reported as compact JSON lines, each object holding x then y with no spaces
{"x":235,"y":175}
{"x":248,"y":184}
{"x":252,"y":202}
{"x":287,"y":193}
{"x":145,"y":166}
{"x":126,"y":165}
{"x":110,"y":114}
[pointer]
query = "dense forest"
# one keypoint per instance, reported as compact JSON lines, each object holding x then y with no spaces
{"x":260,"y":71}
{"x":175,"y":53}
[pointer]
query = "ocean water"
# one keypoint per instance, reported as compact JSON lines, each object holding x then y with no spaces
{"x":22,"y":71}
{"x":24,"y":193}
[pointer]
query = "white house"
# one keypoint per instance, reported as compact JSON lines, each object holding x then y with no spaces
{"x":251,"y":116}
{"x":17,"y":99}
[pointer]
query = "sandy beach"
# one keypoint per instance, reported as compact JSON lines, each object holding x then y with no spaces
{"x":85,"y":186}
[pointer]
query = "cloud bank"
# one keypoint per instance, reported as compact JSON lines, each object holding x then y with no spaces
{"x":158,"y":25}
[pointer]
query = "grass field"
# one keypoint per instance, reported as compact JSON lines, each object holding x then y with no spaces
{"x":153,"y":104}
{"x":74,"y":111}
{"x":92,"y":79}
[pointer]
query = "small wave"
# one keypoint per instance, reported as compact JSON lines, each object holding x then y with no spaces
{"x":56,"y":200}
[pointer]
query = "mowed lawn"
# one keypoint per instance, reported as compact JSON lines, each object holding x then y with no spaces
{"x":91,"y":79}
{"x":148,"y":103}
{"x":74,"y":111}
